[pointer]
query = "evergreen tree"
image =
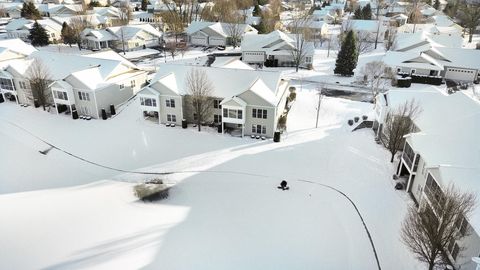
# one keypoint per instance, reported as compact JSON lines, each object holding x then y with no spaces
{"x":29,"y":11}
{"x":260,"y":28}
{"x":257,"y":12}
{"x":367,"y":12}
{"x":347,"y":56}
{"x":38,"y":35}
{"x":144,"y":5}
{"x":358,"y":14}
{"x":68,"y":35}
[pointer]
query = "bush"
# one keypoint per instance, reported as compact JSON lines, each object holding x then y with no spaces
{"x":364,"y":117}
{"x":282,"y":122}
{"x":350,"y":122}
{"x":292,"y":96}
{"x":292,"y":89}
{"x":151,"y":191}
{"x":356,"y":118}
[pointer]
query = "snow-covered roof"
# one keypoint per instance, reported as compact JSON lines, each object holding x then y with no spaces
{"x":92,"y":70}
{"x":17,"y":46}
{"x":218,"y":28}
{"x":132,"y":30}
{"x":98,"y":34}
{"x":17,"y":24}
{"x":230,"y":62}
{"x":226,"y":82}
{"x":412,"y":60}
{"x":364,"y":25}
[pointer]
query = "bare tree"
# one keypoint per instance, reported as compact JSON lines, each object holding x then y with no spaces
{"x":391,"y":40}
{"x":376,"y":75}
{"x":78,"y":24}
{"x":398,"y":123}
{"x":414,"y":14}
{"x":469,"y":15}
{"x":200,"y":89}
{"x":301,"y":34}
{"x":439,"y":224}
{"x":171,"y":48}
{"x":125,"y":13}
{"x":39,"y":78}
{"x":235,"y":28}
{"x":174,"y":23}
{"x":364,"y":43}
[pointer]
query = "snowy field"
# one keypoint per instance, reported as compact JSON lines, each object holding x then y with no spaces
{"x":61,"y":213}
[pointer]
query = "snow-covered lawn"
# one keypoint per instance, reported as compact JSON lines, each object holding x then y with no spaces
{"x":232,"y":217}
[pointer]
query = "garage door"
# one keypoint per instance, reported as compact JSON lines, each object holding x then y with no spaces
{"x":199,"y":41}
{"x":217,"y":41}
{"x":458,"y":74}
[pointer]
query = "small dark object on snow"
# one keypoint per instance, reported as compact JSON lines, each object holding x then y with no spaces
{"x":112,"y":109}
{"x":104,"y":114}
{"x":364,"y":117}
{"x":350,"y":122}
{"x":399,"y":186}
{"x":283,"y":185}
{"x":356,"y":118}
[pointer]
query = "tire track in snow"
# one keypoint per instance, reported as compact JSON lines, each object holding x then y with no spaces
{"x":210,"y":171}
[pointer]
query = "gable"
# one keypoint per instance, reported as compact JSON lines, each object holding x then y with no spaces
{"x":253,"y":99}
{"x":163,"y":89}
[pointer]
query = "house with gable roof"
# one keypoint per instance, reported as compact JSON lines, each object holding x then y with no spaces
{"x":442,"y":150}
{"x":129,"y":37}
{"x":215,"y":33}
{"x":85,"y":83}
{"x":247,"y":100}
{"x":434,"y":55}
{"x":273,"y":49}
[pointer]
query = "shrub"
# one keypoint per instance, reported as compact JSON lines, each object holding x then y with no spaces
{"x":364,"y":117}
{"x":151,"y":192}
{"x":356,"y":118}
{"x":292,"y":96}
{"x":350,"y":122}
{"x":292,"y":89}
{"x":282,"y":122}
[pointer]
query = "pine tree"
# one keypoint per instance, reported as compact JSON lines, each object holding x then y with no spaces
{"x":358,"y":14}
{"x":144,"y":5}
{"x":257,"y":12}
{"x":347,"y":57}
{"x":29,"y":11}
{"x":367,"y":12}
{"x":38,"y":35}
{"x":68,"y":35}
{"x":260,"y":28}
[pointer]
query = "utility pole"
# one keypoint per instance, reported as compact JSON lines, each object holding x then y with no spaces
{"x":378,"y":20}
{"x":319,"y":103}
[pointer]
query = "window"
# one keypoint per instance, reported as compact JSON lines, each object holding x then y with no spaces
{"x":170,"y":103}
{"x":53,"y":35}
{"x":122,"y":86}
{"x":229,"y":113}
{"x":195,"y":117}
{"x":433,"y":192}
{"x":60,"y":95}
{"x":132,"y":83}
{"x":259,"y":113}
{"x":259,"y":129}
{"x":83,"y":96}
{"x":171,"y":118}
{"x":453,"y":248}
{"x":216,"y":104}
{"x":23,"y":85}
{"x":148,"y":102}
{"x":308,"y":59}
{"x":217,"y":118}
{"x":6,"y":84}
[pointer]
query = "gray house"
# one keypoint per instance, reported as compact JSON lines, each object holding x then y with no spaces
{"x":87,"y":83}
{"x":246,"y":100}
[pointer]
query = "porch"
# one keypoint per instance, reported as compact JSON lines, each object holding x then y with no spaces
{"x":233,"y":117}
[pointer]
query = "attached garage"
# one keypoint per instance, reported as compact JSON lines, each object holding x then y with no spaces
{"x":460,"y":74}
{"x":217,"y":41}
{"x":199,"y":41}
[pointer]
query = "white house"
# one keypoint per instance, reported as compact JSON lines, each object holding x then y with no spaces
{"x":129,"y":37}
{"x":244,"y":100}
{"x":316,"y":27}
{"x":423,"y":56}
{"x":20,"y":28}
{"x":273,"y":49}
{"x":87,"y":83}
{"x":216,"y":33}
{"x":443,"y":152}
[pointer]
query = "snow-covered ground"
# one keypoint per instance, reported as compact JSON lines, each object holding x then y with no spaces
{"x":58,"y":213}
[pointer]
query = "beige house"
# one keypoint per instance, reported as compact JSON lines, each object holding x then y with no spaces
{"x":245,"y":101}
